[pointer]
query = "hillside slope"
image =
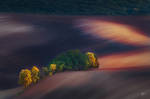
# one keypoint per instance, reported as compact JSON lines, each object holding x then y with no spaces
{"x":27,"y":40}
{"x":92,"y":85}
{"x":9,"y":93}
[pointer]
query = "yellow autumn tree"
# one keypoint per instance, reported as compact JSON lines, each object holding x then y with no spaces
{"x":52,"y":69}
{"x":35,"y":74}
{"x":25,"y":77}
{"x":92,"y":59}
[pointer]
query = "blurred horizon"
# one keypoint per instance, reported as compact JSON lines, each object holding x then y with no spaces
{"x":77,"y":7}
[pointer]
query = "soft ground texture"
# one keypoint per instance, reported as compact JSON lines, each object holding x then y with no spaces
{"x":125,"y":84}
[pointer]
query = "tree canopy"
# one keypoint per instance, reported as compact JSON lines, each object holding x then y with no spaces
{"x":70,"y":60}
{"x":25,"y":77}
{"x":35,"y":74}
{"x":73,"y":60}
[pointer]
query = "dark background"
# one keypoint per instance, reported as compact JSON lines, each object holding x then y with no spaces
{"x":77,"y":7}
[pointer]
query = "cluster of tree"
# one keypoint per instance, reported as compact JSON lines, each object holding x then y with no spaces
{"x":27,"y":77}
{"x":70,"y":60}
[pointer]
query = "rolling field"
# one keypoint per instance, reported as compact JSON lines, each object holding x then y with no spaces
{"x":124,"y":84}
{"x":121,"y":42}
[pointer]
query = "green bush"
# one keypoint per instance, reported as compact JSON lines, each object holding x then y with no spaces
{"x":45,"y":71}
{"x":71,"y":60}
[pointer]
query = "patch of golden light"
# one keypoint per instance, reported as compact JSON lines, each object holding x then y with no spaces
{"x":125,"y":60}
{"x":114,"y":32}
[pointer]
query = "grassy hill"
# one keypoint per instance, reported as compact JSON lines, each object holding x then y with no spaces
{"x":36,"y":39}
{"x":92,"y":85}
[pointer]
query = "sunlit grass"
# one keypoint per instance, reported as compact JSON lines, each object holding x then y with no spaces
{"x":114,"y":32}
{"x":126,"y":60}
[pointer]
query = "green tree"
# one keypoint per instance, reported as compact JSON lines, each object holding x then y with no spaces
{"x":45,"y":70}
{"x":72,"y":60}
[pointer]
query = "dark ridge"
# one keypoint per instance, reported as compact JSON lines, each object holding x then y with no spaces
{"x":77,"y":7}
